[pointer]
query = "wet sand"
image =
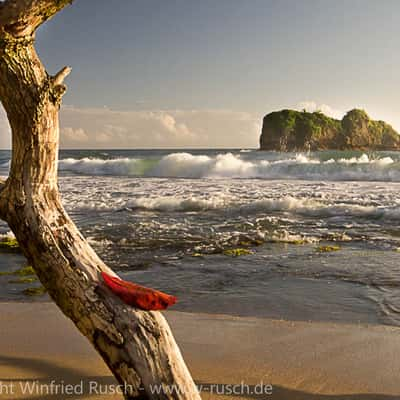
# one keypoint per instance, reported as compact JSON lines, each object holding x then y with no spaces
{"x":301,"y":360}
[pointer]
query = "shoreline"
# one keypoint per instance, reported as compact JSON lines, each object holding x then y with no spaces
{"x":273,"y":290}
{"x":220,"y":315}
{"x":301,"y":360}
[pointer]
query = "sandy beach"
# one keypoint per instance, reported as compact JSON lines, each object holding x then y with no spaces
{"x":301,"y":360}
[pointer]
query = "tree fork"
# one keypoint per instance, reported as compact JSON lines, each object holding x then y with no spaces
{"x":137,"y":346}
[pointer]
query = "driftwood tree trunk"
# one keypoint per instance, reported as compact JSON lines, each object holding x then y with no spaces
{"x":137,"y":346}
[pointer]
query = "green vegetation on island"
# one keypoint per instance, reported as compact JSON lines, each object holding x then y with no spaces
{"x":290,"y":130}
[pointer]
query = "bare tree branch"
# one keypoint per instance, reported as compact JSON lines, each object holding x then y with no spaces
{"x":59,"y":77}
{"x":22,"y":17}
{"x":138,"y":346}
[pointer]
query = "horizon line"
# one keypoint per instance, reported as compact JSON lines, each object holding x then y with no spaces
{"x":156,"y":148}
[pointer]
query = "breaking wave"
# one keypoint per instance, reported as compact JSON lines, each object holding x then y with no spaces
{"x":291,"y":205}
{"x":96,"y":166}
{"x":228,"y":165}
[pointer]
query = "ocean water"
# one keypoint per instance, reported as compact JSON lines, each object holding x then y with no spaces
{"x":167,"y":218}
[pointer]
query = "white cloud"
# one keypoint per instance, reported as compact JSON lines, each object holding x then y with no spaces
{"x":71,"y":135}
{"x":312,"y":106}
{"x":105,"y":128}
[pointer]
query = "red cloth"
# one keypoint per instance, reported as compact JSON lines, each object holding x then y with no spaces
{"x":138,"y":296}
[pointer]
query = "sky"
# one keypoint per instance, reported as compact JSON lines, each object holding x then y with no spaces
{"x":189,"y":73}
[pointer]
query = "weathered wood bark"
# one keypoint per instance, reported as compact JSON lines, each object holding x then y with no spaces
{"x":137,"y":346}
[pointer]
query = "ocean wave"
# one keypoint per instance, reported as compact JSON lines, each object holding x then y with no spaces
{"x":228,"y":165}
{"x":288,"y":204}
{"x":312,"y":208}
{"x":168,"y":204}
{"x":96,"y":166}
{"x":304,"y":207}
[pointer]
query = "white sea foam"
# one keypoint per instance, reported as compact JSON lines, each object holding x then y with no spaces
{"x":182,"y":165}
{"x":176,"y":204}
{"x":309,"y":207}
{"x":228,"y":165}
{"x":96,"y":166}
{"x":306,"y":207}
{"x":7,"y":236}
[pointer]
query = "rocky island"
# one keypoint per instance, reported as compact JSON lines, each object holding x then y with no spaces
{"x":290,"y":130}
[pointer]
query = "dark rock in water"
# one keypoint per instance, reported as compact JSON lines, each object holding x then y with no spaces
{"x":290,"y":130}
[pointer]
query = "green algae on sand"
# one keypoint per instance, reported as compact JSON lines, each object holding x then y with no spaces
{"x":24,"y":280}
{"x":327,"y":249}
{"x":9,"y":245}
{"x":25,"y":276}
{"x":24,"y":271}
{"x":34,"y":291}
{"x":237,"y":252}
